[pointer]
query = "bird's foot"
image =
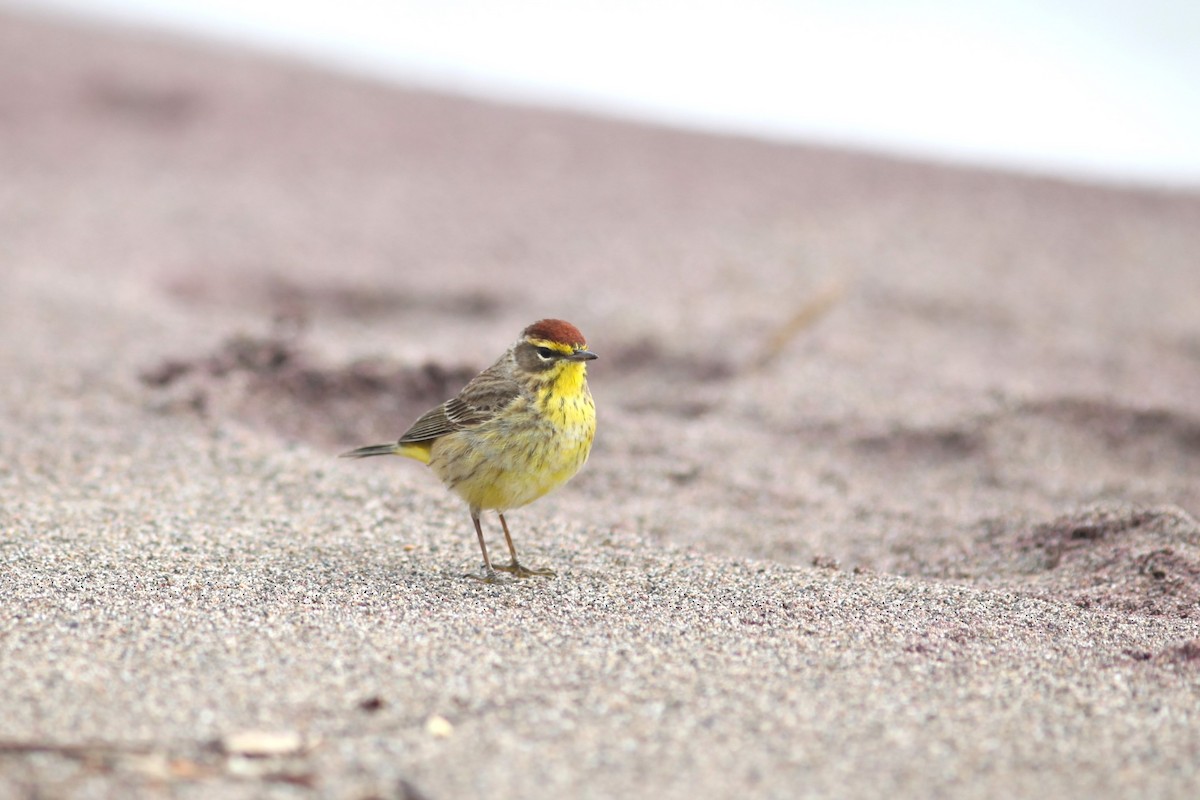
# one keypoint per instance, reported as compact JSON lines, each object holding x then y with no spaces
{"x":520,"y":571}
{"x":489,"y":576}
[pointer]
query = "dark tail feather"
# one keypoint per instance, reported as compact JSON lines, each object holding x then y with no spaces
{"x":371,"y":450}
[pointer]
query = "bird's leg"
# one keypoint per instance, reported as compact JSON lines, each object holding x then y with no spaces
{"x":515,"y":568}
{"x":489,"y":574}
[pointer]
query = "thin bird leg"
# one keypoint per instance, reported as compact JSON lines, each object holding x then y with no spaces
{"x":515,"y":568}
{"x":489,"y":574}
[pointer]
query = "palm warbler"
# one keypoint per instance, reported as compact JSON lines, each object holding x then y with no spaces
{"x":519,"y":429}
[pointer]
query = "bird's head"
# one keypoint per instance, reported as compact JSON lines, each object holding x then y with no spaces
{"x":554,"y":347}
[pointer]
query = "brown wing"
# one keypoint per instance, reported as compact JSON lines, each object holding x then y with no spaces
{"x":486,"y":395}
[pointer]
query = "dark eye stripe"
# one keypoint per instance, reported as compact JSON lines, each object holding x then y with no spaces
{"x":546,"y":352}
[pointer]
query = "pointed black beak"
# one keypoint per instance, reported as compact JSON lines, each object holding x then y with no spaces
{"x":582,"y":355}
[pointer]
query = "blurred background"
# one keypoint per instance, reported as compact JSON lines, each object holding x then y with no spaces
{"x":1100,"y":90}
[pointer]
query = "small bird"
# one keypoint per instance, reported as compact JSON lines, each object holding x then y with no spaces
{"x":519,"y":429}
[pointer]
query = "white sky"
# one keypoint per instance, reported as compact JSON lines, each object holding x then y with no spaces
{"x":1106,"y":89}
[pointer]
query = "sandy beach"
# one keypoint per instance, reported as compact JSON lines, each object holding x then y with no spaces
{"x":894,"y":494}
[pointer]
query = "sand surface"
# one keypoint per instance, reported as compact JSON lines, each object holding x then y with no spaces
{"x":894,"y":492}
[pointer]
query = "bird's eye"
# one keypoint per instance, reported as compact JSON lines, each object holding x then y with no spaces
{"x":545,"y":353}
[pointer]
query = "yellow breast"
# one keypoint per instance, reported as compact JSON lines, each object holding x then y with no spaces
{"x":532,"y":447}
